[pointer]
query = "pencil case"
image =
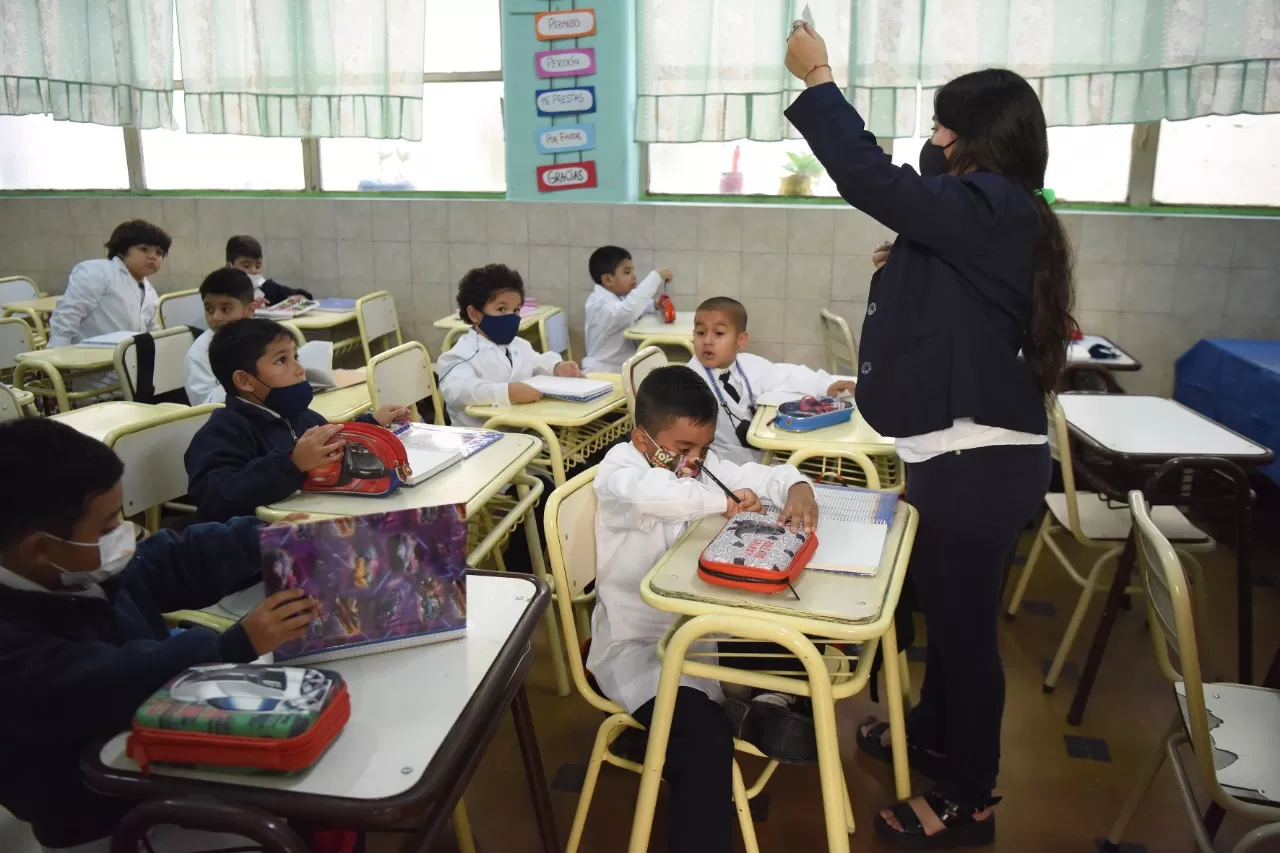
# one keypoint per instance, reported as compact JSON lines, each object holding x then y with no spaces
{"x":755,"y":551}
{"x":812,"y":413}
{"x":373,"y":463}
{"x":279,"y":719}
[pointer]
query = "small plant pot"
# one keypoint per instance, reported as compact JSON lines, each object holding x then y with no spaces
{"x":796,"y":185}
{"x":730,"y":183}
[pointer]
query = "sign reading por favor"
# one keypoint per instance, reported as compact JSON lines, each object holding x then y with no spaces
{"x":567,"y":137}
{"x":565,"y":63}
{"x":565,"y":25}
{"x":558,"y":102}
{"x":566,"y":176}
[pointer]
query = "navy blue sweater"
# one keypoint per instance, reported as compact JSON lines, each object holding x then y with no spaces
{"x":947,"y":314}
{"x":239,"y":460}
{"x":75,"y":668}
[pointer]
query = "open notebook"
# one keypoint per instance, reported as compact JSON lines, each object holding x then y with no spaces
{"x":571,"y":388}
{"x":852,"y":527}
{"x":108,"y":341}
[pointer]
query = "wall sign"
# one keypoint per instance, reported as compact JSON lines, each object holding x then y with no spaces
{"x":558,"y":102}
{"x":566,"y":176}
{"x":566,"y":137}
{"x":565,"y":63}
{"x":565,"y":25}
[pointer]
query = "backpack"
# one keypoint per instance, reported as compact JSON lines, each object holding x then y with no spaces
{"x":373,"y":463}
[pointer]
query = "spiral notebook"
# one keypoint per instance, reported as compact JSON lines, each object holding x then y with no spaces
{"x":852,"y":527}
{"x":570,"y":388}
{"x":385,"y":581}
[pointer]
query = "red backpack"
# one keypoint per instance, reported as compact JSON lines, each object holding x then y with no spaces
{"x":373,"y":463}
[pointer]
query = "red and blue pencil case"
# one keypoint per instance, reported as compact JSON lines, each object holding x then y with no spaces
{"x":812,"y":413}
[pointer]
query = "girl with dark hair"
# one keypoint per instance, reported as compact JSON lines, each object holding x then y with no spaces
{"x":979,"y":273}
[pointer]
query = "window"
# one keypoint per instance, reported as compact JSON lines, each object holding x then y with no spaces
{"x":1090,"y":163}
{"x":37,"y":152}
{"x":1231,"y":160}
{"x":463,"y":36}
{"x":701,"y":168}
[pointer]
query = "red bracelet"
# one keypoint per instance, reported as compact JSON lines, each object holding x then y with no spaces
{"x":815,"y":68}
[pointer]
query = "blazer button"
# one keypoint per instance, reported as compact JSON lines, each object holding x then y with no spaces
{"x":871,"y":309}
{"x":866,"y":368}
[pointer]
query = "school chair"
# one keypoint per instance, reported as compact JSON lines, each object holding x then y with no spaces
{"x":403,"y":375}
{"x":636,"y":368}
{"x":17,"y":288}
{"x":15,"y":337}
{"x":1236,"y":755}
{"x":1097,"y":525}
{"x":299,"y":339}
{"x":837,"y":339}
{"x":168,"y":371}
{"x":182,"y":308}
{"x":152,"y":452}
{"x":9,"y":408}
{"x":379,"y":327}
{"x":553,"y":331}
{"x":570,"y":519}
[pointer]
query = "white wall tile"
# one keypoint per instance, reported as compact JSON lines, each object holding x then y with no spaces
{"x":282,"y":218}
{"x":242,"y":216}
{"x":282,"y":259}
{"x":1148,"y":289}
{"x":579,"y":283}
{"x":86,"y":217}
{"x":589,"y":226}
{"x":319,"y":260}
{"x":114,"y":210}
{"x":851,"y":277}
{"x":430,"y":264}
{"x":1154,"y":239}
{"x":810,"y":232}
{"x":632,"y":226}
{"x":355,"y":261}
{"x":548,"y":224}
{"x":1105,"y":323}
{"x":856,"y":233}
{"x":1254,"y":328}
{"x":719,"y":274}
{"x":1257,"y":244}
{"x":429,"y":220}
{"x":513,"y":255}
{"x":392,"y":263}
{"x":1099,"y":286}
{"x":389,"y":220}
{"x":315,"y":219}
{"x":464,"y":257}
{"x":1207,"y":242}
{"x":684,"y":271}
{"x":507,"y":222}
{"x":642,"y":258}
{"x":353,"y":219}
{"x":764,"y":230}
{"x":764,"y":275}
{"x":803,"y":322}
{"x":1103,"y":238}
{"x":1200,"y":291}
{"x":1253,"y":293}
{"x":468,"y":222}
{"x":809,"y":277}
{"x":766,"y":320}
{"x":433,"y":302}
{"x":149,"y":209}
{"x":720,"y":229}
{"x":675,"y":227}
{"x":548,"y":268}
{"x":179,"y":218}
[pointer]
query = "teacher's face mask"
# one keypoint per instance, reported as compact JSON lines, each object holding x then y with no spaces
{"x":933,"y":159}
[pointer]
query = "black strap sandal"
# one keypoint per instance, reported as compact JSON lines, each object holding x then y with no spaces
{"x":919,"y":759}
{"x":961,"y":828}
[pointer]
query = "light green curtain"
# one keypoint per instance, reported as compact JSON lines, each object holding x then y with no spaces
{"x":711,"y":70}
{"x":303,"y":67}
{"x":101,"y":61}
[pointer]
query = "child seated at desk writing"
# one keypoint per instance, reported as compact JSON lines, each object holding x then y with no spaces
{"x":488,"y":365}
{"x":245,"y":254}
{"x":648,"y":492}
{"x":227,"y":295}
{"x":615,"y":303}
{"x":738,"y":378}
{"x":83,"y":641}
{"x":257,"y":449}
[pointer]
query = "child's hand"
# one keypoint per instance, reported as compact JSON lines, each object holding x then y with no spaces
{"x":568,"y":368}
{"x":519,"y":393}
{"x":284,"y":616}
{"x":389,"y":414}
{"x":881,"y":255}
{"x":665,"y":272}
{"x":314,"y":448}
{"x":260,"y":302}
{"x":801,"y":511}
{"x":843,"y":386}
{"x":748,"y":501}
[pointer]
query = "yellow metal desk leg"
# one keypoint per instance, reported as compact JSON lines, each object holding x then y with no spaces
{"x":523,"y":484}
{"x":897,"y":717}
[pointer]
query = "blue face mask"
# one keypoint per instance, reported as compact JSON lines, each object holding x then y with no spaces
{"x":500,"y":328}
{"x":288,"y":400}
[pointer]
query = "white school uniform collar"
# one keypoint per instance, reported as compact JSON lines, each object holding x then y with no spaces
{"x":119,"y":262}
{"x":483,"y":343}
{"x":15,"y":581}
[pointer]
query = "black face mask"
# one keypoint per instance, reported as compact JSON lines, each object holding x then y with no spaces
{"x":933,"y":159}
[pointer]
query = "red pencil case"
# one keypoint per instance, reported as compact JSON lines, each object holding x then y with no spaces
{"x":273,"y":718}
{"x":373,"y":462}
{"x":756,"y":552}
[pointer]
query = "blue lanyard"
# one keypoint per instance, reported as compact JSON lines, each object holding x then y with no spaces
{"x":715,"y":386}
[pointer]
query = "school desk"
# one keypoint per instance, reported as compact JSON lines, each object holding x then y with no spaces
{"x":831,"y":608}
{"x":36,"y":312}
{"x":60,"y":366}
{"x":337,"y":326}
{"x":342,"y":404}
{"x":570,"y":431}
{"x":650,"y":329}
{"x":100,"y":419}
{"x":1081,"y":366}
{"x":533,"y":327}
{"x":421,"y":719}
{"x":478,"y":483}
{"x":853,"y":434}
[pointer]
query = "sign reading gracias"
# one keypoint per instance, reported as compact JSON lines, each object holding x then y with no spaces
{"x":566,"y":176}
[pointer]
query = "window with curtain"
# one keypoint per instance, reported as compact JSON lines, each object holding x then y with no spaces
{"x":1233,"y":160}
{"x":38,"y":153}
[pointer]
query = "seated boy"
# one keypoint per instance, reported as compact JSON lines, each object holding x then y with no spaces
{"x":738,"y":378}
{"x":257,"y":449}
{"x":245,"y":254}
{"x":488,"y":365}
{"x":615,"y":303}
{"x":82,"y":639}
{"x":648,"y":491}
{"x":227,"y":294}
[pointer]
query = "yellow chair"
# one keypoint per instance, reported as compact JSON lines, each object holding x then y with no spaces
{"x":1232,"y":728}
{"x":15,"y":337}
{"x":571,"y":542}
{"x":10,"y":410}
{"x":152,"y":452}
{"x":403,"y":375}
{"x":169,"y":372}
{"x":379,"y":326}
{"x":636,"y":368}
{"x":1097,"y":525}
{"x":553,"y":331}
{"x":181,"y":308}
{"x":837,"y":339}
{"x":837,"y":467}
{"x":17,"y":288}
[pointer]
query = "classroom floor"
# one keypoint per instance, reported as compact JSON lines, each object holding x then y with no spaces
{"x":1053,"y":801}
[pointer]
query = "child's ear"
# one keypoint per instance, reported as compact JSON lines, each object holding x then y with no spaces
{"x":743,"y":338}
{"x":607,"y":281}
{"x":637,"y":438}
{"x":474,"y":315}
{"x":243,"y":382}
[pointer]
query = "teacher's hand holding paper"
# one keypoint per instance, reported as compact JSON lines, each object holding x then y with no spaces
{"x":807,"y":55}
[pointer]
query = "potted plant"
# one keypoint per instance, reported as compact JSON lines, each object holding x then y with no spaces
{"x":802,"y":170}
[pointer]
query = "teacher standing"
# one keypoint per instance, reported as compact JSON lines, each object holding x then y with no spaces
{"x":980,"y":271}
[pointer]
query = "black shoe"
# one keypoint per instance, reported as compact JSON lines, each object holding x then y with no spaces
{"x":775,"y":725}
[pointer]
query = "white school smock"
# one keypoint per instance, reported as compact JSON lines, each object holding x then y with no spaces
{"x":963,"y":434}
{"x":640,"y":512}
{"x":763,"y":376}
{"x":201,"y":386}
{"x":608,"y":316}
{"x":476,"y":372}
{"x":102,"y":297}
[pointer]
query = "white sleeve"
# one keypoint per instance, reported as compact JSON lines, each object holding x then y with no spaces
{"x":770,"y":482}
{"x":201,"y":386}
{"x":151,"y":310}
{"x":84,"y":292}
{"x":619,"y":315}
{"x":796,"y":378}
{"x":462,"y":386}
{"x":633,"y":497}
{"x":544,"y":363}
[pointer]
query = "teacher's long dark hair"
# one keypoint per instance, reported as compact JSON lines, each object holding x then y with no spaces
{"x":1000,"y":127}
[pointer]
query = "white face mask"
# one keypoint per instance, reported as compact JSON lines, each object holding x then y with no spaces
{"x":115,"y":550}
{"x":257,"y":279}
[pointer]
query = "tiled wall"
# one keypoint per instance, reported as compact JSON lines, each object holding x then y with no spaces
{"x":1154,"y":284}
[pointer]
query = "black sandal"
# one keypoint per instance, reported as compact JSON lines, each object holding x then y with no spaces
{"x":961,"y":829}
{"x":918,"y":758}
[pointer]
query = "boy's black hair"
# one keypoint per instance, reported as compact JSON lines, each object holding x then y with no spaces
{"x":228,"y":281}
{"x":46,"y":483}
{"x":605,"y":261}
{"x":481,"y":284}
{"x":243,"y":246}
{"x":725,"y":305}
{"x":136,"y":232}
{"x":239,"y":345}
{"x":670,"y":393}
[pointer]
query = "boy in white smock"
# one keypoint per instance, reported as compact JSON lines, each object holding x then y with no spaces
{"x":228,"y":296}
{"x":615,"y":304}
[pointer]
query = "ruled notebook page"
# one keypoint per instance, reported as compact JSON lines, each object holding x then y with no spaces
{"x":852,"y":527}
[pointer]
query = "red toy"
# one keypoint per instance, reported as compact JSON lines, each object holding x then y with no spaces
{"x":667,"y":307}
{"x":373,"y":463}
